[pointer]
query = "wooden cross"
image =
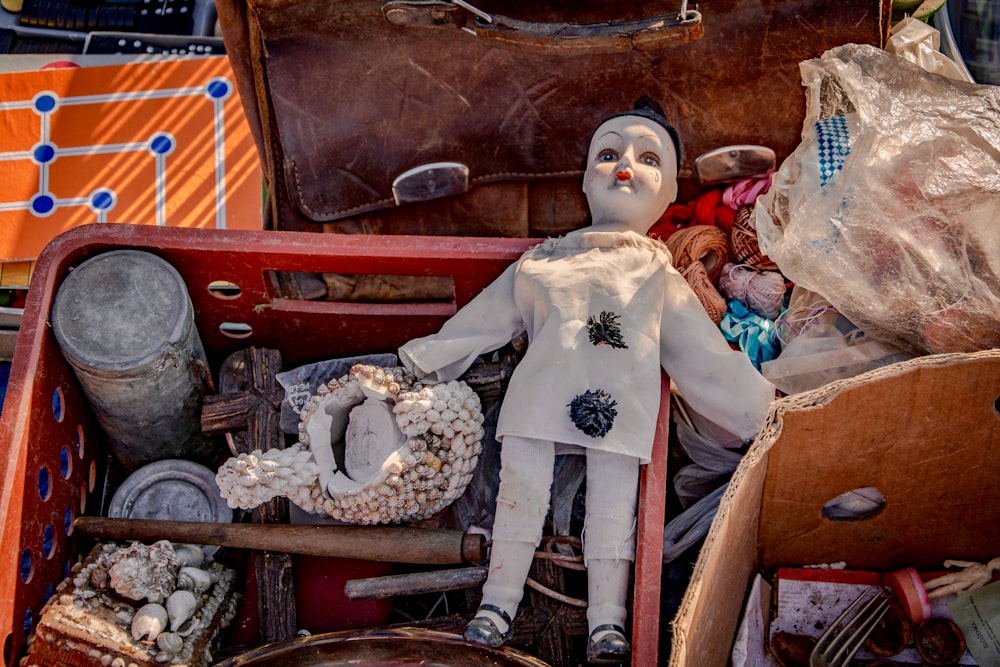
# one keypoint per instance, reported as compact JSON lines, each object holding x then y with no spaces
{"x":247,"y":411}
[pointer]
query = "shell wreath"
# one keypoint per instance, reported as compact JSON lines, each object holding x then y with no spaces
{"x":431,"y":452}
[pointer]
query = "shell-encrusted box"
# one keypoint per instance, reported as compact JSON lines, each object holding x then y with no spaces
{"x":133,"y":605}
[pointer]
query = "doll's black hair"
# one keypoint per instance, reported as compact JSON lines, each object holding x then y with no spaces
{"x":648,"y":108}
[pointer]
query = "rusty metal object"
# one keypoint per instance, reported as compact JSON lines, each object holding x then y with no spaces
{"x":401,"y":647}
{"x":415,"y":583}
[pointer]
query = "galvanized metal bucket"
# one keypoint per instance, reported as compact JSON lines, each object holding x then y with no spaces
{"x":125,"y":322}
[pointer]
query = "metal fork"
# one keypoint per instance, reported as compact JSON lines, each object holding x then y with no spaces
{"x":845,"y":635}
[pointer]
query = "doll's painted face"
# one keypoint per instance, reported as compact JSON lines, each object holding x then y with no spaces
{"x":631,"y":174}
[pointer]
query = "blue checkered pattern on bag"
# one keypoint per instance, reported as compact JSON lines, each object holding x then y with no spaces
{"x":834,"y":145}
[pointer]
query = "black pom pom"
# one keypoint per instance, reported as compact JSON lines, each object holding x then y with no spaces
{"x":593,"y":412}
{"x":604,"y":330}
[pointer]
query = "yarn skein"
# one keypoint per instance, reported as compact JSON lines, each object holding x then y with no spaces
{"x":703,"y":243}
{"x":761,"y":291}
{"x":705,"y":209}
{"x":713,"y":302}
{"x":746,"y":250}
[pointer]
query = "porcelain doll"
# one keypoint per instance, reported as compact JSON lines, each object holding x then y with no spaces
{"x":603,"y":309}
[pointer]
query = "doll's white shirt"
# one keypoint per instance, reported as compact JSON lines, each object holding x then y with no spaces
{"x":551,"y":292}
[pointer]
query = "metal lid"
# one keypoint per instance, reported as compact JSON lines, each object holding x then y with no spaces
{"x":171,"y":490}
{"x":118,"y":311}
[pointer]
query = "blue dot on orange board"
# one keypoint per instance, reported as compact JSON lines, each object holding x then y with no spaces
{"x":45,"y":103}
{"x":43,"y":204}
{"x":102,"y":200}
{"x":44,"y":153}
{"x":218,"y":89}
{"x":161,"y":144}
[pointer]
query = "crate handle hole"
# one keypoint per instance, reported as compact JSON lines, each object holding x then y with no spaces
{"x":48,"y":542}
{"x":859,"y":504}
{"x":44,"y":487}
{"x":236,"y":329}
{"x":57,"y":404}
{"x":27,"y":567}
{"x":29,"y":620}
{"x":8,"y":650}
{"x":68,"y":520}
{"x":223,"y":289}
{"x":996,"y":406}
{"x":65,"y":463}
{"x":79,"y":441}
{"x":361,"y":287}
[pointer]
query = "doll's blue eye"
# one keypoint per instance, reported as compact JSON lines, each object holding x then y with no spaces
{"x":650,"y":159}
{"x":607,"y":155}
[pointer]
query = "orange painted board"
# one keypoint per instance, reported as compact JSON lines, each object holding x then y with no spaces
{"x":159,"y":142}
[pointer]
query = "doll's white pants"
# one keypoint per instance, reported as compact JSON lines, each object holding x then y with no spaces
{"x":526,"y":470}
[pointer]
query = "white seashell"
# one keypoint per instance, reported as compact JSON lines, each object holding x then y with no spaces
{"x":148,"y":622}
{"x":189,"y":626}
{"x":141,"y":571}
{"x":194,"y":579}
{"x":170,"y":644}
{"x":181,"y":606}
{"x":189,"y":555}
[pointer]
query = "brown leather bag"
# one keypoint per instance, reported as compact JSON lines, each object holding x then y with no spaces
{"x":423,"y":117}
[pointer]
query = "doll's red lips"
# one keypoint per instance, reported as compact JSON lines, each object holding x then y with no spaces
{"x":623,"y":175}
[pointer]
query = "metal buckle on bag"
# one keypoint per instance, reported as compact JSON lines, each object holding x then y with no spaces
{"x":733,"y":163}
{"x":430,"y":181}
{"x":423,"y":13}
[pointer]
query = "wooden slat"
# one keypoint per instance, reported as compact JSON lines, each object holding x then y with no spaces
{"x":16,"y":273}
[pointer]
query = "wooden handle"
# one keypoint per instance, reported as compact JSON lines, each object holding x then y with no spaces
{"x":391,"y":544}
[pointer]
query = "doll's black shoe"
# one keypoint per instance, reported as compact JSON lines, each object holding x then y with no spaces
{"x":611,"y":648}
{"x":482,"y":629}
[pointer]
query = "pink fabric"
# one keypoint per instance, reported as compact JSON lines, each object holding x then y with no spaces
{"x":746,"y":191}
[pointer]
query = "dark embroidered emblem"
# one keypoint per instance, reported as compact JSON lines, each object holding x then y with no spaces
{"x":605,"y":330}
{"x":593,"y":412}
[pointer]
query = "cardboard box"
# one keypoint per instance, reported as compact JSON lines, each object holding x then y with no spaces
{"x":925,"y":432}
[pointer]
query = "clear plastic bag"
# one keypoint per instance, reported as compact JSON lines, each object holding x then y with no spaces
{"x":890,"y":206}
{"x":819,"y":345}
{"x":302,"y":382}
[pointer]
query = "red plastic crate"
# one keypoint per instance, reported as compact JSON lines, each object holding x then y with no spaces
{"x":54,"y":453}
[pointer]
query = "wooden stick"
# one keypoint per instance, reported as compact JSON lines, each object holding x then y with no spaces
{"x":414,"y":583}
{"x":388,"y":544}
{"x":251,"y":374}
